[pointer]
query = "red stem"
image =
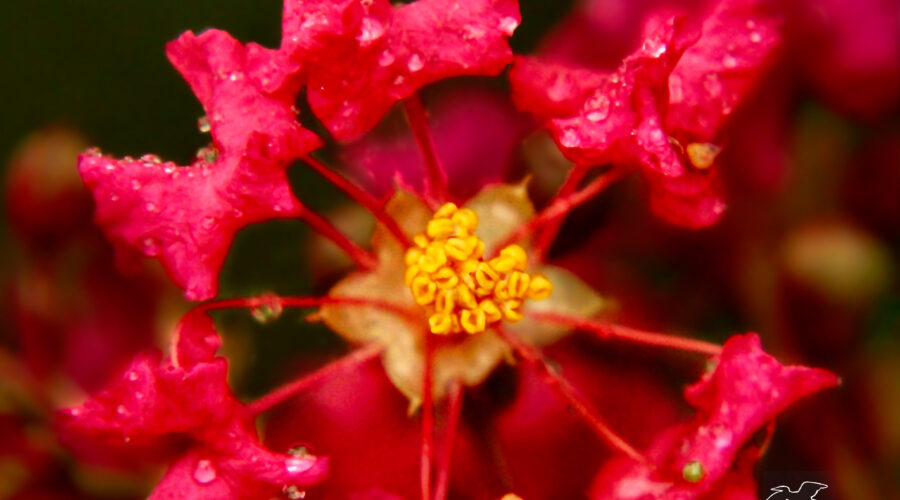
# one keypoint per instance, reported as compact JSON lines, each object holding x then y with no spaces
{"x":361,"y":196}
{"x":427,"y":421}
{"x":545,"y":238}
{"x":287,"y":391}
{"x":418,"y":121}
{"x":565,"y":390}
{"x":609,"y":330}
{"x":562,"y":206}
{"x":362,"y":258}
{"x":274,"y":300}
{"x":453,"y":414}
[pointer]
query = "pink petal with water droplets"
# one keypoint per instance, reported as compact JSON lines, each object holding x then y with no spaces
{"x":188,"y":216}
{"x":360,"y":57}
{"x":747,"y":389}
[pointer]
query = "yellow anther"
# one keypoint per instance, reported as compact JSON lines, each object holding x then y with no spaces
{"x":511,"y":310}
{"x":445,"y":278}
{"x":439,"y":229}
{"x":477,"y":245}
{"x":433,"y":259}
{"x":446,"y":211}
{"x":466,"y":220}
{"x":410,"y":274}
{"x":465,"y":297}
{"x":491,"y":311}
{"x":485,"y":276}
{"x":446,"y":274}
{"x":540,"y":287}
{"x":501,"y":292}
{"x":412,"y":256}
{"x":472,"y":321}
{"x":503,"y":264}
{"x":445,"y":301}
{"x":517,"y":254}
{"x":440,"y":323}
{"x":423,"y":290}
{"x":459,"y":249}
{"x":517,"y":285}
{"x":421,"y":241}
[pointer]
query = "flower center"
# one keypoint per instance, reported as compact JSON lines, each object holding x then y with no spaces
{"x":462,"y":292}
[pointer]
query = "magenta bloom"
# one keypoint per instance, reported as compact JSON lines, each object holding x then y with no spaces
{"x":664,"y":109}
{"x":181,"y":409}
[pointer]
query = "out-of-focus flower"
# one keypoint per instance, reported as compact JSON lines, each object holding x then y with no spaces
{"x":181,"y":409}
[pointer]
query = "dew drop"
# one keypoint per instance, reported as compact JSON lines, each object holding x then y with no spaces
{"x":598,"y":108}
{"x":473,"y":32}
{"x":208,"y":222}
{"x":95,"y":152}
{"x":135,"y":184}
{"x":399,"y":80}
{"x":755,"y":37}
{"x":298,"y":465}
{"x":569,"y":138}
{"x":723,"y":440}
{"x":204,"y":472}
{"x":203,"y":124}
{"x":237,"y":213}
{"x":132,"y":376}
{"x":109,"y":167}
{"x":386,"y":58}
{"x":121,"y":410}
{"x":371,"y":29}
{"x":234,"y":76}
{"x":508,"y":25}
{"x":151,"y":159}
{"x":729,"y":61}
{"x":676,"y":89}
{"x":150,"y":207}
{"x":559,"y":89}
{"x":415,"y":63}
{"x":654,"y":48}
{"x":113,"y":197}
{"x":151,"y":246}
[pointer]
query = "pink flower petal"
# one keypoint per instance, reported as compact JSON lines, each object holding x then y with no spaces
{"x":188,"y":216}
{"x":358,"y":57}
{"x":747,"y":389}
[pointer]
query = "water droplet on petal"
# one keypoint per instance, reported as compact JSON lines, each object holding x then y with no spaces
{"x":755,"y":37}
{"x":598,"y":108}
{"x":415,"y":63}
{"x":109,"y":167}
{"x":203,"y":124}
{"x":473,"y":32}
{"x":654,"y":48}
{"x":208,"y":222}
{"x":132,"y":376}
{"x":298,"y":465}
{"x":135,"y":184}
{"x":150,"y":207}
{"x":121,"y":410}
{"x":508,"y":25}
{"x":204,"y":472}
{"x":386,"y":58}
{"x":370,"y":29}
{"x":151,"y":159}
{"x":676,"y":89}
{"x":151,"y":246}
{"x":729,"y":61}
{"x":569,"y":138}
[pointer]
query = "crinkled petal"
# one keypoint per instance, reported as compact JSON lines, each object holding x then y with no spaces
{"x":618,"y":121}
{"x":747,"y":389}
{"x":360,"y":57}
{"x":188,"y":216}
{"x":714,"y":76}
{"x":550,"y":90}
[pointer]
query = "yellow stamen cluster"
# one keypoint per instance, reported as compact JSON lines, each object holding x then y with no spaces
{"x":463,"y":293}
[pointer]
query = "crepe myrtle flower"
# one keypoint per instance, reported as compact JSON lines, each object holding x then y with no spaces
{"x":451,"y":289}
{"x":665,"y":109}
